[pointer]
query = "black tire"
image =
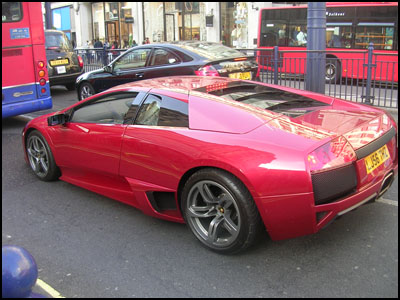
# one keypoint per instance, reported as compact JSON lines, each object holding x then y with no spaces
{"x":40,"y":158}
{"x":333,"y":70}
{"x":86,"y":90}
{"x":220,"y":211}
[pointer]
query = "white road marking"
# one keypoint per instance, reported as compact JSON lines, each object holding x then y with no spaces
{"x":387,"y":201}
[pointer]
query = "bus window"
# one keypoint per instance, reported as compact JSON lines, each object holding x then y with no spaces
{"x":338,"y":35}
{"x":380,"y":34}
{"x":269,"y":34}
{"x":11,"y":12}
{"x":298,"y":35}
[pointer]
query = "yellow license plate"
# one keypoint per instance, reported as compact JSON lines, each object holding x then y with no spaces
{"x":377,"y":158}
{"x":243,"y":75}
{"x":59,"y":62}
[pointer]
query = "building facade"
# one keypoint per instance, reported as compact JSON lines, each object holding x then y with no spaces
{"x":234,"y":24}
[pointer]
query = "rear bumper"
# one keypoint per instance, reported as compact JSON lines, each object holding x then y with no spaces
{"x":65,"y":79}
{"x":27,"y":106}
{"x":290,"y":216}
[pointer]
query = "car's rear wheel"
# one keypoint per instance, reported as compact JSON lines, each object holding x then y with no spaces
{"x":86,"y":90}
{"x":40,"y":158}
{"x":220,"y":211}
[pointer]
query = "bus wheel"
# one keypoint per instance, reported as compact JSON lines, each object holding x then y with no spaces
{"x":333,"y":70}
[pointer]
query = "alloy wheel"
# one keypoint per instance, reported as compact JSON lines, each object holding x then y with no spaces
{"x":38,"y":156}
{"x":213,"y":213}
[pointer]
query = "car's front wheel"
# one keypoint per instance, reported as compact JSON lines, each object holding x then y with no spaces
{"x":86,"y":90}
{"x":40,"y":157}
{"x":220,"y":211}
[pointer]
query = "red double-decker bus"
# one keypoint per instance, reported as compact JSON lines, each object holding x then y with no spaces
{"x":25,"y":81}
{"x":350,"y":28}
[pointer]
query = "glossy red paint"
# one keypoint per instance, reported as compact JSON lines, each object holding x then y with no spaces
{"x":267,"y":151}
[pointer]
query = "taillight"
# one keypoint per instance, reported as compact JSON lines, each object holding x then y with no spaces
{"x":42,"y":81}
{"x":80,"y":61}
{"x":41,"y":71}
{"x":207,"y":71}
{"x":336,"y":153}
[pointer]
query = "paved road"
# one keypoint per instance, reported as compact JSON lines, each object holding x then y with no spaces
{"x":87,"y":245}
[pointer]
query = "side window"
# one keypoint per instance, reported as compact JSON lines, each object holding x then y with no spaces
{"x":163,"y":57}
{"x":298,"y":35}
{"x":150,"y":110}
{"x":184,"y":56}
{"x":11,"y":12}
{"x":132,"y":60}
{"x":113,"y":109}
{"x":381,"y":34}
{"x":173,"y":113}
{"x":338,"y":35}
{"x":163,"y":111}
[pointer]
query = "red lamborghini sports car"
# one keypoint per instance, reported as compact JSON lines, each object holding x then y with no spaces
{"x":226,"y":156}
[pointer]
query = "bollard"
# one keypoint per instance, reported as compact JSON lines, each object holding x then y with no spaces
{"x":19,"y":273}
{"x":369,"y":66}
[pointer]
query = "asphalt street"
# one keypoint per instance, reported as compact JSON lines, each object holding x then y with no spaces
{"x":87,"y":245}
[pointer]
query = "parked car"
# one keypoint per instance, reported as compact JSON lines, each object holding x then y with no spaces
{"x":224,"y":155}
{"x":63,"y":65}
{"x":168,"y":59}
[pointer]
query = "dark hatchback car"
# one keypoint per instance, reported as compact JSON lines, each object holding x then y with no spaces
{"x":168,"y":59}
{"x":63,"y":64}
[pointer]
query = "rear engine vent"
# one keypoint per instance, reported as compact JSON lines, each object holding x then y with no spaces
{"x":331,"y":185}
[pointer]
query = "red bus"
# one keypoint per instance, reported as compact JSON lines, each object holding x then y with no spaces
{"x":350,"y":27}
{"x":25,"y":81}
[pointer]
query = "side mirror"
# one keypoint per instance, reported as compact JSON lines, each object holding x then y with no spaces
{"x":108,"y":68}
{"x":57,"y":120}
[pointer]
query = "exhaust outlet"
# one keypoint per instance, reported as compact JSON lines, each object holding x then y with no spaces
{"x":386,"y":183}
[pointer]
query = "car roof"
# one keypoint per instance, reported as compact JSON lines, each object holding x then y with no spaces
{"x":53,"y":31}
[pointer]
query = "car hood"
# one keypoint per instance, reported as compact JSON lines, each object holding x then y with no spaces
{"x":90,"y":74}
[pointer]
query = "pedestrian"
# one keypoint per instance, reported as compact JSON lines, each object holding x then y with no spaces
{"x":302,"y":37}
{"x":147,"y":41}
{"x":134,"y":44}
{"x":98,"y":44}
{"x":114,"y":46}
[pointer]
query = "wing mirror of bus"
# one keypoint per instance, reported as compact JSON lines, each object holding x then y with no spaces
{"x":58,"y":119}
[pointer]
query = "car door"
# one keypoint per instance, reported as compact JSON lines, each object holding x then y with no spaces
{"x":156,"y":146}
{"x":163,"y":62}
{"x":89,"y":144}
{"x":128,"y":68}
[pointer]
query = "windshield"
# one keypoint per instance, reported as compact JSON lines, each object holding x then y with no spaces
{"x":212,"y":51}
{"x":57,"y":40}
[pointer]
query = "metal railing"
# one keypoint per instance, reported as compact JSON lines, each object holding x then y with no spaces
{"x":368,"y":77}
{"x":96,"y":58}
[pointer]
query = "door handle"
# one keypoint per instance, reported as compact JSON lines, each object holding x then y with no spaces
{"x":139,"y":75}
